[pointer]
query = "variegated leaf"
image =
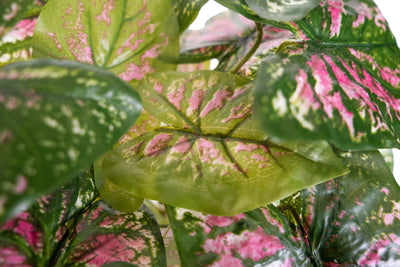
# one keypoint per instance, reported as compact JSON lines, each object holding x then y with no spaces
{"x":340,"y":82}
{"x":125,"y":37}
{"x":283,"y":10}
{"x":186,"y":11}
{"x":228,"y":37}
{"x":56,"y":118}
{"x":210,"y":150}
{"x":69,"y":228}
{"x":349,"y":221}
{"x":355,"y":220}
{"x":261,"y":237}
{"x":12,"y":11}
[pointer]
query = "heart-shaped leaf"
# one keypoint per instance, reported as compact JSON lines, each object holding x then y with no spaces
{"x":125,"y":37}
{"x":339,"y":83}
{"x":186,"y":11}
{"x":349,"y":221}
{"x":210,"y":150}
{"x":56,"y":119}
{"x":285,"y":10}
{"x":71,"y":228}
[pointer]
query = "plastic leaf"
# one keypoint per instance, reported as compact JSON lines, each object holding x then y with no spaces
{"x":69,"y":228}
{"x":12,"y":11}
{"x":355,"y":219}
{"x":259,"y":237}
{"x":339,"y":83}
{"x":349,"y":221}
{"x":210,"y":150}
{"x":186,"y":11}
{"x":125,"y":37}
{"x":56,"y":119}
{"x":282,"y":10}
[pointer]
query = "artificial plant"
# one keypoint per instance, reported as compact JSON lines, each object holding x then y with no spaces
{"x":113,"y":131}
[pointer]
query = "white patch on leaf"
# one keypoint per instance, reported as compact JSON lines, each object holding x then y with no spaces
{"x":279,"y":102}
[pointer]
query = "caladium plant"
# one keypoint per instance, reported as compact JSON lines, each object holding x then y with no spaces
{"x":113,"y":131}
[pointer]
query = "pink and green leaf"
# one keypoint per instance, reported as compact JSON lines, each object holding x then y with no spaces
{"x":207,"y":145}
{"x":49,"y":112}
{"x":186,"y":11}
{"x":339,"y":82}
{"x":70,"y":228}
{"x":126,"y":37}
{"x":11,"y":12}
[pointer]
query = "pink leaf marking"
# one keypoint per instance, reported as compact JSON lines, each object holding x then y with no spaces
{"x":336,"y":8}
{"x":245,"y":147}
{"x":210,"y":221}
{"x":157,"y":144}
{"x":105,"y":13}
{"x":254,"y":245}
{"x":182,"y":146}
{"x":21,"y":186}
{"x":208,"y":152}
{"x":135,"y":72}
{"x":195,"y":101}
{"x":158,"y":87}
{"x":13,"y":12}
{"x":273,"y":221}
{"x":217,"y":102}
{"x":177,"y":95}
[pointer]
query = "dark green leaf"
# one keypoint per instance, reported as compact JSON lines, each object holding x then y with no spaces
{"x":186,"y":11}
{"x":208,"y":154}
{"x":286,"y":10}
{"x":125,"y":37}
{"x":339,"y":83}
{"x":56,"y":118}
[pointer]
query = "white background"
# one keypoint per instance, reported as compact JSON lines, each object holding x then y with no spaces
{"x":389,"y":8}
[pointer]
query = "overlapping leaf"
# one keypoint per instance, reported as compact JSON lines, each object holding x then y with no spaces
{"x":340,"y":82}
{"x":209,"y":154}
{"x":186,"y":11}
{"x":11,"y":12}
{"x":229,"y":36}
{"x":349,"y":221}
{"x":69,"y":228}
{"x":125,"y":37}
{"x":56,"y":118}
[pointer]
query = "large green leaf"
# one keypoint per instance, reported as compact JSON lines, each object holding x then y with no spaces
{"x":56,"y":118}
{"x":125,"y":37}
{"x":71,"y":228}
{"x":208,"y":154}
{"x":340,"y":82}
{"x":353,"y":220}
{"x":186,"y":11}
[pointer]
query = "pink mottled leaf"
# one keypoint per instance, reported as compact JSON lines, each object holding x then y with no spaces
{"x":11,"y":12}
{"x":72,"y":228}
{"x":126,"y":37}
{"x":207,"y":153}
{"x":338,"y":82}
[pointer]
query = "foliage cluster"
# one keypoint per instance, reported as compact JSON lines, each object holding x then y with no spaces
{"x":119,"y":147}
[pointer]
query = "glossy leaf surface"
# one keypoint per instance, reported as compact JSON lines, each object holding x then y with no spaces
{"x":69,"y":228}
{"x":56,"y":119}
{"x":349,"y":221}
{"x":340,"y":82}
{"x":210,"y":150}
{"x":186,"y":11}
{"x":125,"y":37}
{"x":286,"y":10}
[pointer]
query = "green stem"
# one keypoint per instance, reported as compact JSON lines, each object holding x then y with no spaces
{"x":253,"y":49}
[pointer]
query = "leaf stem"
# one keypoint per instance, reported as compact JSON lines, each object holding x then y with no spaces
{"x":253,"y":49}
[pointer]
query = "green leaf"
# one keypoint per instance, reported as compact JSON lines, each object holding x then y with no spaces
{"x":186,"y":11}
{"x":355,"y":219}
{"x":287,"y":10}
{"x":259,"y":237}
{"x":349,"y":221}
{"x":339,"y":83}
{"x":125,"y":37}
{"x":56,"y":118}
{"x":117,"y":198}
{"x":12,"y":11}
{"x":71,"y":228}
{"x":210,"y":150}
